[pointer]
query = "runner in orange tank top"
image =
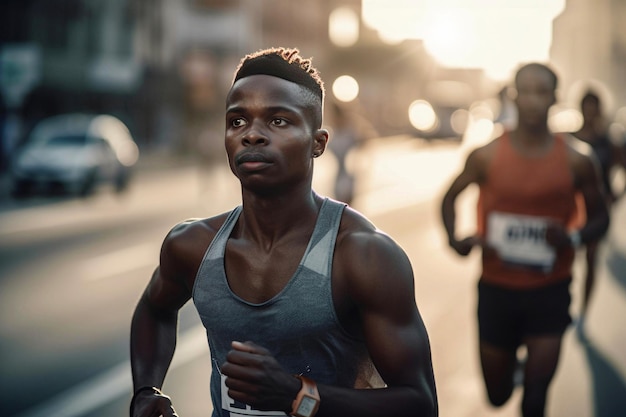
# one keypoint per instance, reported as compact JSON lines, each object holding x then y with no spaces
{"x":516,"y":218}
{"x":528,"y":181}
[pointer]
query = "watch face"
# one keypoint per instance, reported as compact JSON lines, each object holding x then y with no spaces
{"x":306,"y":406}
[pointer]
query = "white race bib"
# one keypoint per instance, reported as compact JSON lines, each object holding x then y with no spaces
{"x":237,"y":409}
{"x":521,"y":240}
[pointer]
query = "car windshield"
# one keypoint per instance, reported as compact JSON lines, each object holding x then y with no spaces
{"x":67,"y":140}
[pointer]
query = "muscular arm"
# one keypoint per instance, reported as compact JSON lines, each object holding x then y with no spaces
{"x":473,"y":172}
{"x":153,"y":332}
{"x":587,"y":181}
{"x":154,"y":323}
{"x":382,"y":287}
{"x":379,"y":293}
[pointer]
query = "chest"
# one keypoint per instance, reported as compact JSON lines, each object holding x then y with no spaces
{"x":245,"y":294}
{"x":257,"y":275}
{"x":531,"y":181}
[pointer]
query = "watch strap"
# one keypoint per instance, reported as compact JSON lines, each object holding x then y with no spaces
{"x":309,"y":389}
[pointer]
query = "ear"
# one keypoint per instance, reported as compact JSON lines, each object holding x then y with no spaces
{"x":320,"y":139}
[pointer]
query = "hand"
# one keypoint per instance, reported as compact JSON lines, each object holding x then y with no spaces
{"x":152,"y":404}
{"x":254,"y":377}
{"x":464,"y":247}
{"x":557,"y":237}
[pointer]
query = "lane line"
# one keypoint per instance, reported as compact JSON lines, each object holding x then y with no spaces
{"x":114,"y":383}
{"x":118,"y":262}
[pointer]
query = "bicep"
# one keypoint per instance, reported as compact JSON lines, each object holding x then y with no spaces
{"x":164,"y":293}
{"x":395,"y":333}
{"x":472,"y":172}
{"x":168,"y":289}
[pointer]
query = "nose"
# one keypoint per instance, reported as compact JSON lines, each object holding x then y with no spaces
{"x":255,"y":135}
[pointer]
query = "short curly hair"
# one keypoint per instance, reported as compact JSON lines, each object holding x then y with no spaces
{"x":285,"y":63}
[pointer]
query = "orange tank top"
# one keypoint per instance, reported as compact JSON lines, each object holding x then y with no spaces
{"x":519,"y":198}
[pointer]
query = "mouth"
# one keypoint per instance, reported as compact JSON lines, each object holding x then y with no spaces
{"x":252,"y":160}
{"x":251,"y":157}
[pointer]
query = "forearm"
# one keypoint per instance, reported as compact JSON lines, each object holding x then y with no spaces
{"x":448,"y":216}
{"x":152,"y":344}
{"x":383,"y":402}
{"x":594,"y":228}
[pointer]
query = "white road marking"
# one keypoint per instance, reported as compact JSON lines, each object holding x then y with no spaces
{"x":116,"y":263}
{"x":113,"y":383}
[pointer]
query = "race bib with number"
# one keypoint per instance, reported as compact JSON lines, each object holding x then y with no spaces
{"x":521,"y":240}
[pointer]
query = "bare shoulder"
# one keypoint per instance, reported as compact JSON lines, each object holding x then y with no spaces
{"x":367,"y":258}
{"x":184,"y":246}
{"x":357,"y":233}
{"x":478,"y":160}
{"x":486,"y":152}
{"x":190,"y":230}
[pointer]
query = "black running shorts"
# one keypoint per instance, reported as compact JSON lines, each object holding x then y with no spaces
{"x":507,"y":316}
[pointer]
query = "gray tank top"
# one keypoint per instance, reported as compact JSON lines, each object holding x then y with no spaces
{"x":298,"y":326}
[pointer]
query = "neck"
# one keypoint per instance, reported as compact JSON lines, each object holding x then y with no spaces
{"x":532,"y":143}
{"x":270,"y":218}
{"x":536,"y":134}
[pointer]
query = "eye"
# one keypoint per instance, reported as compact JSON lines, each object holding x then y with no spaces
{"x":238,"y":122}
{"x":279,"y":122}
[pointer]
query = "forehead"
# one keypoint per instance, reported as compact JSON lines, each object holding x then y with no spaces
{"x":266,"y":91}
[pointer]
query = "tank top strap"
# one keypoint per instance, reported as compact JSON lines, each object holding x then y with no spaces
{"x":319,"y":254}
{"x":218,"y":245}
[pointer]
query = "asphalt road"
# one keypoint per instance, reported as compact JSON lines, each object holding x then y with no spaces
{"x":72,"y":270}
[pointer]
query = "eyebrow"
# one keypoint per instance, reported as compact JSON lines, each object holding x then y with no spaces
{"x":271,"y":109}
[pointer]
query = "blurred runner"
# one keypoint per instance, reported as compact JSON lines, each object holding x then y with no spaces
{"x":528,"y":180}
{"x":594,"y":132}
{"x":349,"y":131}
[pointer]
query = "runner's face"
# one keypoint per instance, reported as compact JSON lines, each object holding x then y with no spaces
{"x":270,"y":139}
{"x":535,"y":96}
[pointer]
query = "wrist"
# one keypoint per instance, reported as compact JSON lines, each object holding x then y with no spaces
{"x":138,"y":391}
{"x":575,"y":239}
{"x":147,"y":388}
{"x":307,"y":400}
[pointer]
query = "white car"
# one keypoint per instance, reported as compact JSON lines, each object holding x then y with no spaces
{"x":76,"y":152}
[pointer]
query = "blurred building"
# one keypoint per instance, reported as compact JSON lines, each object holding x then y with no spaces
{"x":589,"y":48}
{"x":163,"y":66}
{"x":159,"y":65}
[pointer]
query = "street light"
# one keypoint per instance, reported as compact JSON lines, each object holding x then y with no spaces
{"x":343,"y":27}
{"x":345,"y":88}
{"x":422,"y":116}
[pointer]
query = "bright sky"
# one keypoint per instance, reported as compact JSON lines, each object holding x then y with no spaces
{"x":495,"y":35}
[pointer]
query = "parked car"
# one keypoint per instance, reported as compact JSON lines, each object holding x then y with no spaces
{"x":432,"y":121}
{"x":76,"y":153}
